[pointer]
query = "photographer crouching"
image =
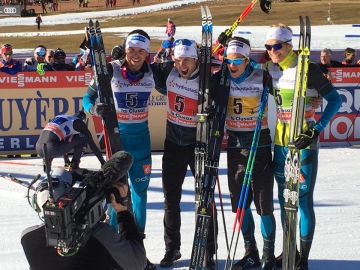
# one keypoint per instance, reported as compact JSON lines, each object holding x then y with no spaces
{"x":74,"y":232}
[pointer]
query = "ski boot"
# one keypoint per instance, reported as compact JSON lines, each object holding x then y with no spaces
{"x":302,"y":264}
{"x":251,"y":258}
{"x":171,"y":255}
{"x":268,"y":259}
{"x":278,"y":261}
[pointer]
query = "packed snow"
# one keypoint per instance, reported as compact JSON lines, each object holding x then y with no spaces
{"x":337,"y":238}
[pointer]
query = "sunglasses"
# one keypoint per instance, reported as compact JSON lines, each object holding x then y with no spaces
{"x":8,"y":53}
{"x":41,"y":54}
{"x":276,"y":46}
{"x":236,"y":61}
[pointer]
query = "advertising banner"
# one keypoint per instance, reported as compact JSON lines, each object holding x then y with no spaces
{"x":344,"y":128}
{"x":28,"y":101}
{"x":10,"y":10}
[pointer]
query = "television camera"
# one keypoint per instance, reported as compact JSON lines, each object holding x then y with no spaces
{"x":71,"y":215}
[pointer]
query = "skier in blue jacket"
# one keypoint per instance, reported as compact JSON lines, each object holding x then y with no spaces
{"x":132,"y":81}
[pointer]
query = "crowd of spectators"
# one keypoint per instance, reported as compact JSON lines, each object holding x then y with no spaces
{"x":43,"y":60}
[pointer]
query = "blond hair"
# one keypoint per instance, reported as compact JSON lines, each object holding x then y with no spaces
{"x":281,"y":25}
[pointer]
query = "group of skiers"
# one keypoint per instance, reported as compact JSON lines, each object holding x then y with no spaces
{"x":132,"y":80}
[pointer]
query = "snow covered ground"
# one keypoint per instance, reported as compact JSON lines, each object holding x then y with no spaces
{"x":336,"y":243}
{"x":337,"y":240}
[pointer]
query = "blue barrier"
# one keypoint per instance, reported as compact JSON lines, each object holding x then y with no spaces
{"x":352,"y":36}
{"x":356,"y":25}
{"x":296,"y":35}
{"x":244,"y":32}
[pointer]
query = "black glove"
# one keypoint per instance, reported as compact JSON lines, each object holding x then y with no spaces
{"x":122,"y":200}
{"x":223,"y":38}
{"x":265,"y":5}
{"x":306,"y":138}
{"x":117,"y":53}
{"x":99,"y":109}
{"x":210,"y":111}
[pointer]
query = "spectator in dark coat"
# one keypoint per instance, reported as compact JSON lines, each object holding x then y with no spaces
{"x":8,"y":64}
{"x":59,"y":61}
{"x":326,"y":62}
{"x":38,"y":21}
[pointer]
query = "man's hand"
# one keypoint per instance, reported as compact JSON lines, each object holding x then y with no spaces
{"x":316,"y":102}
{"x":223,"y":38}
{"x":265,"y":5}
{"x":124,"y":192}
{"x":117,"y":53}
{"x":156,"y":59}
{"x":210,"y":111}
{"x":306,"y":138}
{"x":99,"y":109}
{"x":29,"y":61}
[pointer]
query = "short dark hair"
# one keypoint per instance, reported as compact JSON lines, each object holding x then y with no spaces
{"x":141,"y":32}
{"x":349,"y":50}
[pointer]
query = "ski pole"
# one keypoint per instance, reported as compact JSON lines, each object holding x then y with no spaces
{"x":248,"y":174}
{"x":17,"y":181}
{"x":241,"y":17}
{"x":222,"y":213}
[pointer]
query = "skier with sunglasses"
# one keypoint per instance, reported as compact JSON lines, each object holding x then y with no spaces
{"x":38,"y":63}
{"x":282,"y":68}
{"x":246,"y":89}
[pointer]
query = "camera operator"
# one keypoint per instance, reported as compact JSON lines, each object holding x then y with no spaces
{"x":105,"y":250}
